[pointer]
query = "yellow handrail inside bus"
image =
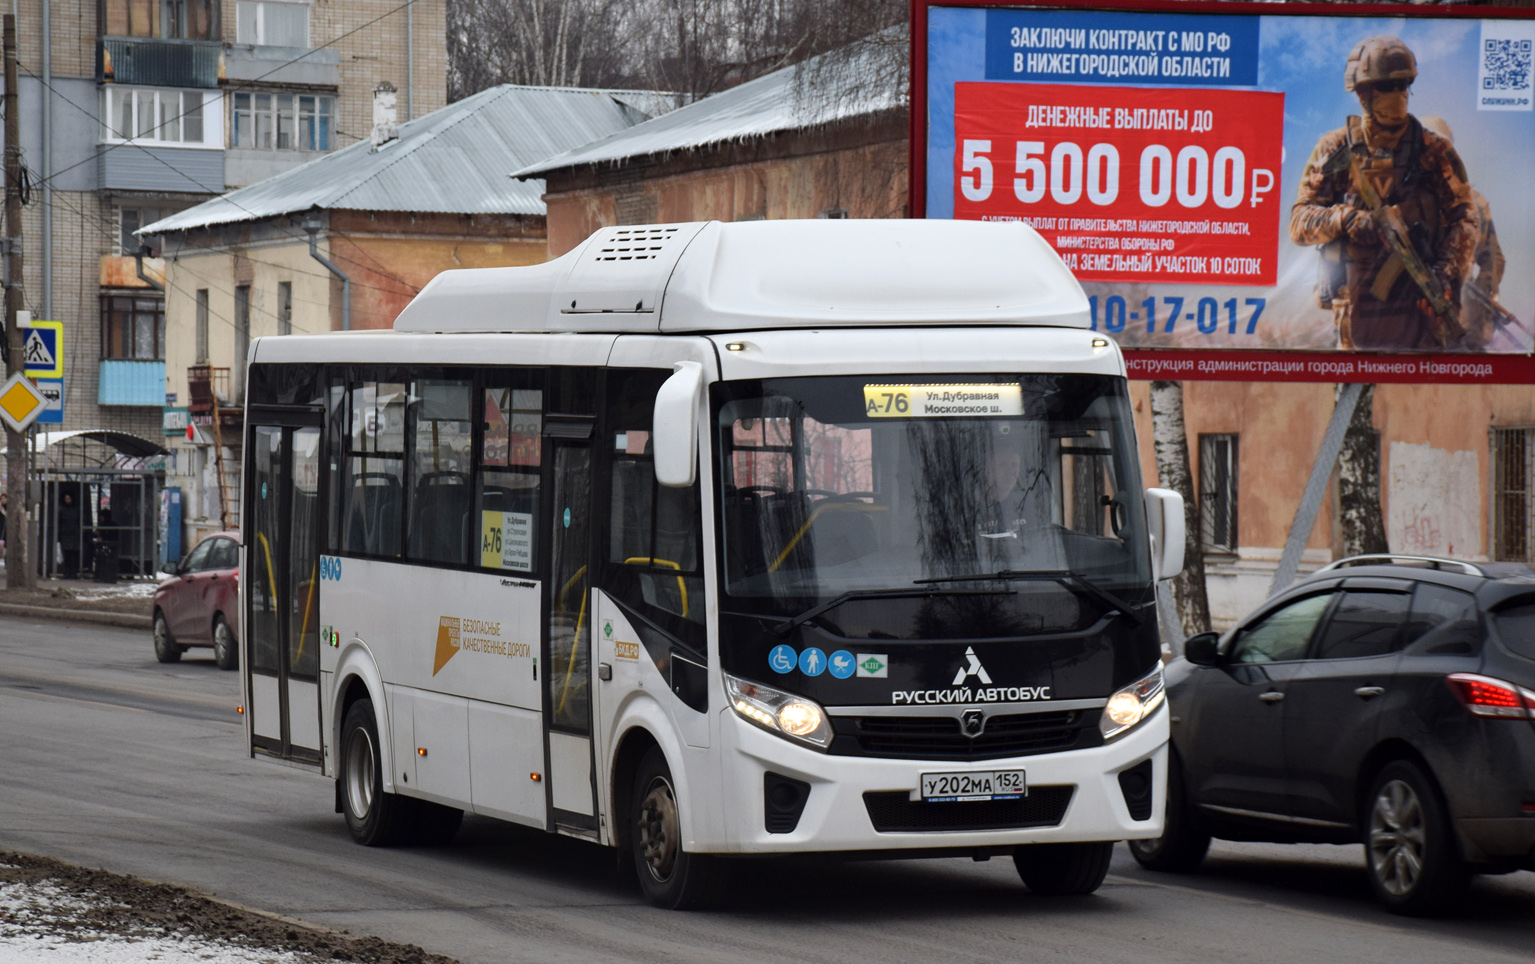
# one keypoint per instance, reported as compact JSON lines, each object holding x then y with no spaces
{"x":303,"y":630}
{"x":575,"y":646}
{"x":271,"y":576}
{"x":682,"y":587}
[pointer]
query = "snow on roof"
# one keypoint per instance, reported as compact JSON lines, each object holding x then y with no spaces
{"x":453,"y":160}
{"x":851,"y":82}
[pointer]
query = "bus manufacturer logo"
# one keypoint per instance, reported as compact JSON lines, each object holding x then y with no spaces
{"x":972,"y":722}
{"x":972,"y":667}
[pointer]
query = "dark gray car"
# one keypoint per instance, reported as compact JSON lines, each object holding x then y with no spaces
{"x":1386,"y":700}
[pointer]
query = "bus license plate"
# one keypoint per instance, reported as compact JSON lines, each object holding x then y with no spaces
{"x":968,"y":787}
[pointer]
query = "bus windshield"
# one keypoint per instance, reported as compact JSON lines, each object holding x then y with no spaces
{"x":846,"y":484}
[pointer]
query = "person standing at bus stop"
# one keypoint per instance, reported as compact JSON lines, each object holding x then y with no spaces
{"x":69,"y":535}
{"x":1379,"y":169}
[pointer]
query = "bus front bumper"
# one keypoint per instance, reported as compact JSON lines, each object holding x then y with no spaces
{"x":1075,"y":796}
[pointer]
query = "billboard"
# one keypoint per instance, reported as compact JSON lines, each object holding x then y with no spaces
{"x":1228,"y":179}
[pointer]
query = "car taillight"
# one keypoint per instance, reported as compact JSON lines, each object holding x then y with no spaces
{"x":1485,"y":696}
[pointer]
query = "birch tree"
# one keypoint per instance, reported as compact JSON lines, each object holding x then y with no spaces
{"x":1362,"y":527}
{"x":1171,"y":443}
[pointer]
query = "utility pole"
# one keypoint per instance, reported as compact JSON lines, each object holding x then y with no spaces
{"x":18,"y":570}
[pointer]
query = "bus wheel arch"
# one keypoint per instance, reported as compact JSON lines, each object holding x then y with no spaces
{"x":632,"y":747}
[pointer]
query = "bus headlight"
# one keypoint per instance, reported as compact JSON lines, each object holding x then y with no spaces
{"x":1133,"y":704}
{"x":783,"y":713}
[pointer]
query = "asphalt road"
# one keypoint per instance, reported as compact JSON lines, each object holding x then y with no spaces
{"x":109,"y":759}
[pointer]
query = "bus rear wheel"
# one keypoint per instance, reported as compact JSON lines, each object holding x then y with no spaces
{"x":670,"y":877}
{"x":1063,"y":869}
{"x":375,"y":818}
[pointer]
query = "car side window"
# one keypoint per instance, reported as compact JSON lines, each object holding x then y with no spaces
{"x":1443,"y":620}
{"x":1364,"y":623}
{"x":1282,"y":634}
{"x":197,"y":559}
{"x":225,"y":554}
{"x":1516,"y":627}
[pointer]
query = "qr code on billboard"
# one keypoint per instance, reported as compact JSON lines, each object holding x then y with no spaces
{"x":1506,"y":64}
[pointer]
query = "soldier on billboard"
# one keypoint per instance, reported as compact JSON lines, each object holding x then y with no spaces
{"x":1388,"y":204}
{"x":1481,"y":314}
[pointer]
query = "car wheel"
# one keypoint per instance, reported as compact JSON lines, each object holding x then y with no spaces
{"x":225,"y":653}
{"x":166,"y":650}
{"x":1182,"y":846}
{"x":375,"y":818}
{"x":1059,"y":870}
{"x":670,"y":877}
{"x":1409,"y":844}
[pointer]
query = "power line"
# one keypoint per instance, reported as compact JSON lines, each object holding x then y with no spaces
{"x":377,"y":265}
{"x":247,"y":85}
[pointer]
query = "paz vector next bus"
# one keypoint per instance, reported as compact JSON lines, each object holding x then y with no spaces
{"x":717,"y":539}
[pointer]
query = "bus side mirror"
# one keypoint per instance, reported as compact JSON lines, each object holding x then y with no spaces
{"x":1164,"y":520}
{"x":675,"y":426}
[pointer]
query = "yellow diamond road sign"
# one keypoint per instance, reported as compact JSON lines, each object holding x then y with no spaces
{"x":20,"y":402}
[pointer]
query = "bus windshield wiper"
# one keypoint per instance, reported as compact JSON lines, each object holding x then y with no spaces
{"x":792,"y":623}
{"x":1070,"y":580}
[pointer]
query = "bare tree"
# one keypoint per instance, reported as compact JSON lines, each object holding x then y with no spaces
{"x":691,"y":47}
{"x":1171,"y":442}
{"x":1362,"y":524}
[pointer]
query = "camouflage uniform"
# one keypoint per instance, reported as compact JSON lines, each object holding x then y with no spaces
{"x":1375,"y":302}
{"x":1488,"y":259}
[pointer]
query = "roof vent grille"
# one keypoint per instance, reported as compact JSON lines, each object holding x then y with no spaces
{"x":634,"y":244}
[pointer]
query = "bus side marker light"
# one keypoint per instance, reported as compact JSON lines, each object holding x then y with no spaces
{"x":240,"y":710}
{"x":421,"y":750}
{"x":535,"y":777}
{"x":1100,"y":343}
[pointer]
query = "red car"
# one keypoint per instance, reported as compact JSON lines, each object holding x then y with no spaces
{"x":199,"y":604}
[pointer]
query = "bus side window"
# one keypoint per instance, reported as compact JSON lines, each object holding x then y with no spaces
{"x":509,"y":473}
{"x":438,"y":489}
{"x":372,"y":503}
{"x":653,"y":531}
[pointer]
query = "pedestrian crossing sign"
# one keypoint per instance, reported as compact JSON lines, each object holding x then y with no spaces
{"x":42,"y":349}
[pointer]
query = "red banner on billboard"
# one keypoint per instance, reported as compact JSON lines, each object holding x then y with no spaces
{"x":1133,"y":184}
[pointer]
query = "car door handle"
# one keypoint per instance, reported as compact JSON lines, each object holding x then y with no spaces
{"x":1369,"y":692}
{"x":1272,"y":696}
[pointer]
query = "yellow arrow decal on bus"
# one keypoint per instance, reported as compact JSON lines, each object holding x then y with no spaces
{"x":447,"y":642}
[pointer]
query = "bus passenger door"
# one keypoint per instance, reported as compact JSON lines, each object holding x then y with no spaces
{"x":282,"y":604}
{"x":567,"y":678}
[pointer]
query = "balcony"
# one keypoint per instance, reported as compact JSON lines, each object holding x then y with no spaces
{"x":207,"y":393}
{"x":152,"y":62}
{"x":131,"y":382}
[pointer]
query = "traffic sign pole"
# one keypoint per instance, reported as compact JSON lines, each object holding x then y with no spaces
{"x":18,"y":568}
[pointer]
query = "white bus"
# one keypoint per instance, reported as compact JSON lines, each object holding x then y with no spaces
{"x":719,"y":539}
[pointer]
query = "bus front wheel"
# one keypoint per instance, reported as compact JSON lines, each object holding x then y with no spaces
{"x":1063,"y":869}
{"x":670,"y":877}
{"x":375,"y":818}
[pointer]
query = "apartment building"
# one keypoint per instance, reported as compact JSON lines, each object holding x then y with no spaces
{"x":136,"y":109}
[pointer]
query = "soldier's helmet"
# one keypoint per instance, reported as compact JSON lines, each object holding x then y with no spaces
{"x":1439,"y":126}
{"x":1379,"y":58}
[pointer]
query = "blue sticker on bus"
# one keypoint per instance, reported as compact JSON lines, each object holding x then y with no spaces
{"x":782,"y":659}
{"x":812,"y":662}
{"x":841,"y":664}
{"x":567,"y":518}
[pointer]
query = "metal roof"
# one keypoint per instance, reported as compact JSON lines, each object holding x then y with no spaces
{"x":451,"y":161}
{"x":851,"y":82}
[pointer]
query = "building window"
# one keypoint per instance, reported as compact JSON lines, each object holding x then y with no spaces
{"x":202,"y":326}
{"x":170,"y":19}
{"x":130,"y":220}
{"x":145,"y":115}
{"x":1218,"y":492}
{"x":285,"y":307}
{"x":271,"y":24}
{"x":835,"y":213}
{"x":132,"y":328}
{"x":1512,"y":498}
{"x":282,"y":122}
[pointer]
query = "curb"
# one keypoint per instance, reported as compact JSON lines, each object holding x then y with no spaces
{"x":125,"y":620}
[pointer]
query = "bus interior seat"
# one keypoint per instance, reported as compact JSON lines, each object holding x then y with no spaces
{"x":440,"y":523}
{"x":373,"y":518}
{"x":841,"y":532}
